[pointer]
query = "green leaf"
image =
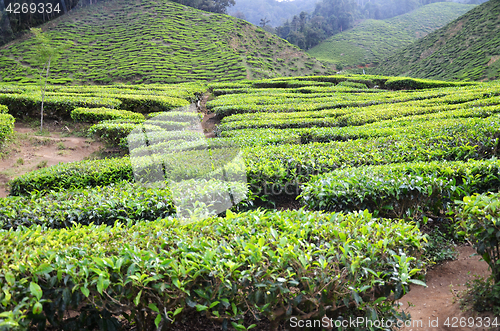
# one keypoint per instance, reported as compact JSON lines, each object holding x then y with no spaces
{"x":44,"y":269}
{"x":177,"y":311}
{"x":235,"y":310}
{"x":238,"y":326}
{"x":36,"y":290}
{"x":138,"y":298}
{"x":37,"y":308}
{"x":379,"y":300}
{"x":153,"y":307}
{"x":9,"y":277}
{"x":85,"y":291}
{"x":201,"y":307}
{"x":158,"y":320}
{"x":417,"y":282}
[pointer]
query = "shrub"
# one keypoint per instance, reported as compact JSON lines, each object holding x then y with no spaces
{"x":149,"y":103}
{"x":4,"y":109}
{"x":265,"y":264}
{"x":176,"y":116}
{"x":100,"y":205}
{"x":57,"y":106}
{"x":93,"y":115}
{"x":115,"y":133}
{"x":73,"y":175}
{"x":404,"y":83}
{"x":479,"y":217}
{"x":401,"y":190}
{"x":6,"y":126}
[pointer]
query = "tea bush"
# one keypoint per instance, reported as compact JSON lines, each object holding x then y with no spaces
{"x":93,"y":115}
{"x":114,"y":133}
{"x":410,"y":190}
{"x":274,"y":265}
{"x":6,"y":126}
{"x":479,"y":217}
{"x":56,"y":106}
{"x":73,"y":175}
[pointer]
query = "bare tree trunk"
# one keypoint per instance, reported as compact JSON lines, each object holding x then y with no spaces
{"x":43,"y":95}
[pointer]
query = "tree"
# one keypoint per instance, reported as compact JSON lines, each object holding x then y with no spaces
{"x":214,"y":6}
{"x":46,"y":52}
{"x":263,"y":22}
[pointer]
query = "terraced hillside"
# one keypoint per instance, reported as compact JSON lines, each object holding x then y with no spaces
{"x":465,"y":49}
{"x":152,"y":42}
{"x":373,"y":40}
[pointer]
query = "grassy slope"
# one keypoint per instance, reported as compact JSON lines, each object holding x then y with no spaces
{"x":373,"y":40}
{"x":467,"y":48}
{"x":150,"y":42}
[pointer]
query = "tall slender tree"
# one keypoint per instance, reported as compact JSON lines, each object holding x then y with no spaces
{"x":46,"y":54}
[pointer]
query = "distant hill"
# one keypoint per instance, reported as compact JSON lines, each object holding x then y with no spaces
{"x":373,"y":40}
{"x":277,"y":12}
{"x":156,"y":42}
{"x":466,"y":49}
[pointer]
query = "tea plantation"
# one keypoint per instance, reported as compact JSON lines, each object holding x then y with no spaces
{"x":155,"y":42}
{"x":347,"y":176}
{"x":465,"y":49}
{"x":371,"y":41}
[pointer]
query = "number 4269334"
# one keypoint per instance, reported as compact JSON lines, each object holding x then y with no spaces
{"x":32,"y":8}
{"x":455,"y":322}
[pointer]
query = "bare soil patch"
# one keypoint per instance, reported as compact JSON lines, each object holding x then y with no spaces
{"x":28,"y":150}
{"x":438,"y":301}
{"x":210,"y":120}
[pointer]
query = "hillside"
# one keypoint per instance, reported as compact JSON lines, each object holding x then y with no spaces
{"x":467,"y":48}
{"x":373,"y":40}
{"x":155,"y":42}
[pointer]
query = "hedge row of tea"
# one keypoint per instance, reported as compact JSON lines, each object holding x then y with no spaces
{"x":60,"y":102}
{"x":6,"y":124}
{"x":151,"y":42}
{"x":213,"y":267}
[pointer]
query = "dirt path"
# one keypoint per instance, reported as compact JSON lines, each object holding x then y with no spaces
{"x":28,"y":151}
{"x":433,"y":305}
{"x":209,"y":119}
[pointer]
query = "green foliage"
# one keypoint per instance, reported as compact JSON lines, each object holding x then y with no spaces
{"x":440,"y":247}
{"x":149,"y":103}
{"x":214,"y":6}
{"x":100,"y":205}
{"x":479,"y":217}
{"x":337,"y":264}
{"x":465,"y":49}
{"x":405,"y":83}
{"x":115,"y":132}
{"x":372,"y":40}
{"x":157,"y":43}
{"x":74,"y":175}
{"x":4,"y":109}
{"x":481,"y":295}
{"x":409,"y":190}
{"x":6,"y":126}
{"x":92,"y":115}
{"x":58,"y":106}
